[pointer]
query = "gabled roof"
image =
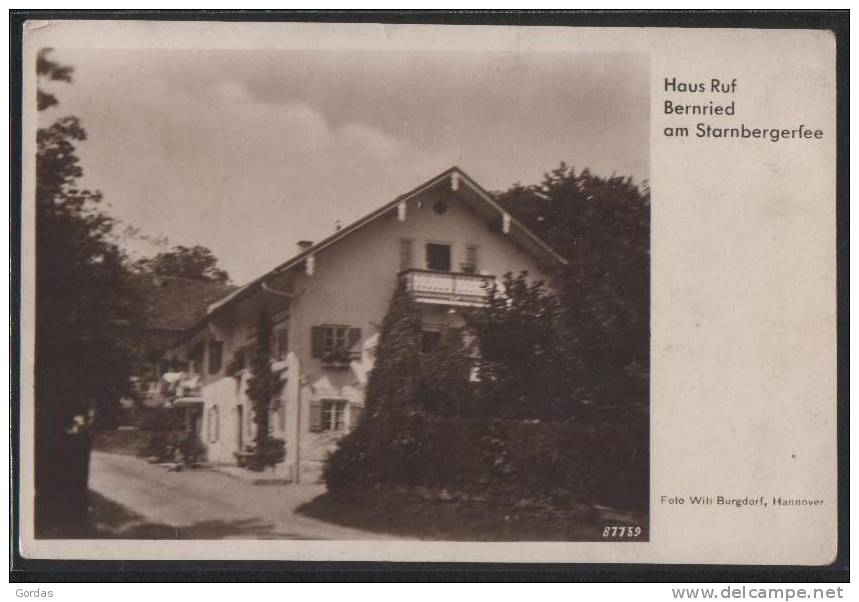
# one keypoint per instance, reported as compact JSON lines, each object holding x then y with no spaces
{"x":174,"y":304}
{"x":480,"y":199}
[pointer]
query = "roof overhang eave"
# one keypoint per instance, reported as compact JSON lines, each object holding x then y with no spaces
{"x":529,"y":239}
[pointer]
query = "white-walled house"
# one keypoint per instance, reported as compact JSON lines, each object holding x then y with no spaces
{"x":446,"y":238}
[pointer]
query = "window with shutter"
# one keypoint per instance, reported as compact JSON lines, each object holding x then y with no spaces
{"x":316,"y":341}
{"x":328,"y":415}
{"x":438,"y":257}
{"x":470,"y":266}
{"x":335,"y":345}
{"x":406,"y":254}
{"x":316,"y":416}
{"x":354,"y":340}
{"x":213,"y":424}
{"x":216,"y":356}
{"x":334,"y":337}
{"x":279,"y":344}
{"x":276,"y":415}
{"x":355,"y":413}
{"x":240,"y":358}
{"x":281,"y":416}
{"x":195,"y":357}
{"x":333,"y":414}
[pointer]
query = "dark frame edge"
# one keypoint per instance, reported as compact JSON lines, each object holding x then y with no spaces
{"x":24,"y":570}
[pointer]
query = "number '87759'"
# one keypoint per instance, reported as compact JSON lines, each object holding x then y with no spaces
{"x":620,"y":532}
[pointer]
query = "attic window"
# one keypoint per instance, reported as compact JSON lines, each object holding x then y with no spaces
{"x":440,"y":207}
{"x":438,"y":257}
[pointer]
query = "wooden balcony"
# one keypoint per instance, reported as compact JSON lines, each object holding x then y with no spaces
{"x":448,"y":288}
{"x":181,"y":387}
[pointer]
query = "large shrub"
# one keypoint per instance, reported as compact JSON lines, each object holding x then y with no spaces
{"x":602,"y":226}
{"x":528,"y":361}
{"x":528,"y":426}
{"x":166,"y":430}
{"x":444,"y":384}
{"x":391,"y":385}
{"x":572,"y":461}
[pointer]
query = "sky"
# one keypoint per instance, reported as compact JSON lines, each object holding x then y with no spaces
{"x":247,"y":152}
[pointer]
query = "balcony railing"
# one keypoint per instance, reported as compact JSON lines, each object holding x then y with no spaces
{"x":451,"y":288}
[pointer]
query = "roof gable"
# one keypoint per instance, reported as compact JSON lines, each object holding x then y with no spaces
{"x":478,"y":198}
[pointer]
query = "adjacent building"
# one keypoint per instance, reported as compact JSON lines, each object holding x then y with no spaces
{"x":447,"y":239}
{"x":169,"y":307}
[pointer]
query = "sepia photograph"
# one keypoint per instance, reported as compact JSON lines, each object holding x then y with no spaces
{"x":336,"y":294}
{"x":329,"y":294}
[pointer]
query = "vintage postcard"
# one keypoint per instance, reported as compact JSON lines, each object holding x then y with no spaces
{"x":377,"y":292}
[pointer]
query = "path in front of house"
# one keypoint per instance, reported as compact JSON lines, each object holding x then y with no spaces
{"x":204,"y":504}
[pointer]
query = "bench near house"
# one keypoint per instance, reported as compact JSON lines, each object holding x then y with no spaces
{"x":447,"y":239}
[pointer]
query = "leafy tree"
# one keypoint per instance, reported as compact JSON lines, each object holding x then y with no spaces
{"x":263,"y":386}
{"x":194,"y":263}
{"x":602,"y":226}
{"x":445,"y":385}
{"x":568,"y":363}
{"x":522,"y":347}
{"x":46,"y":69}
{"x":82,"y":368}
{"x":528,"y":361}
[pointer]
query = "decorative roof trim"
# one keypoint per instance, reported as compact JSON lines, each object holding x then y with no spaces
{"x":453,"y":174}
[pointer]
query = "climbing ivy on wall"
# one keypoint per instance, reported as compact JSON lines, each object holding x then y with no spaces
{"x":263,"y":386}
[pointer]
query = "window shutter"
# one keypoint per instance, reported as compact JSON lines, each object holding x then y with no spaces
{"x":354,"y":338}
{"x":316,"y":416}
{"x":281,"y":417}
{"x":355,"y":413}
{"x":316,"y":341}
{"x":405,"y":254}
{"x":282,"y":343}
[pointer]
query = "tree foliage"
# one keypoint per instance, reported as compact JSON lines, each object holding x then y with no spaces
{"x":445,"y":384}
{"x":392,"y":384}
{"x":263,"y":388}
{"x":82,"y":366}
{"x":602,"y":226}
{"x":558,"y":405}
{"x":81,"y":301}
{"x":194,"y":263}
{"x":528,"y":362}
{"x":49,"y":70}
